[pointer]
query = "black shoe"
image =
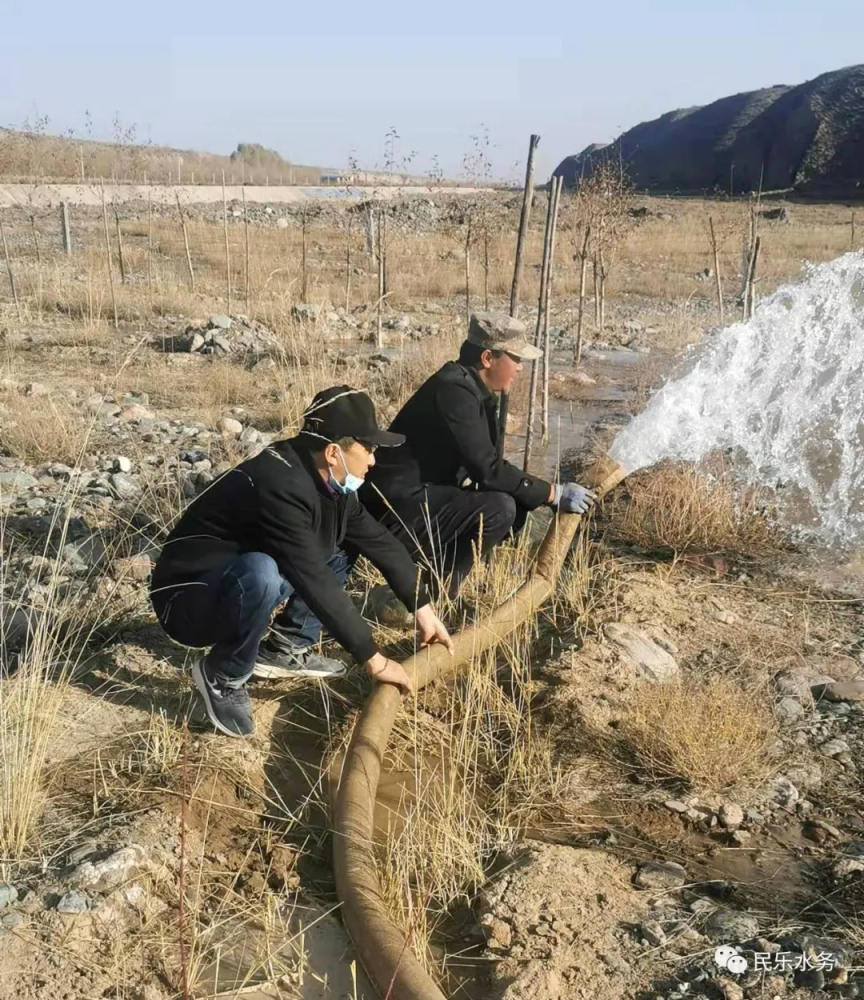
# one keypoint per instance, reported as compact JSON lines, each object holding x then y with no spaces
{"x":275,"y":661}
{"x":229,"y":708}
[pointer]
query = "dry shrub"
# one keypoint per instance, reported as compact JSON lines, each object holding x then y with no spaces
{"x":715,"y":735}
{"x":41,"y":430}
{"x":675,"y":506}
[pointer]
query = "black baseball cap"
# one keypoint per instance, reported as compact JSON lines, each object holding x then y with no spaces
{"x":342,"y":412}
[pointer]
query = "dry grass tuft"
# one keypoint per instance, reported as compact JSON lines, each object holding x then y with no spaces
{"x":674,"y":506}
{"x":41,"y":430}
{"x":713,"y":736}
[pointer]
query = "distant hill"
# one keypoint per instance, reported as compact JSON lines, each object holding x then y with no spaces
{"x":33,"y":156}
{"x":808,"y":138}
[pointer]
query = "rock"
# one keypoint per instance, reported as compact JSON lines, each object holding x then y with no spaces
{"x":848,"y":866}
{"x":136,"y":412}
{"x":305,"y":312}
{"x":249,"y":436}
{"x":827,"y":951}
{"x":806,"y":775}
{"x":220,"y":323}
{"x":653,"y":933}
{"x":122,"y":464}
{"x":282,"y":223}
{"x":93,"y":404}
{"x":73,"y":902}
{"x":796,"y":684}
{"x":820,"y":831}
{"x":12,"y":920}
{"x":61,"y":472}
{"x":499,"y":936}
{"x":789,"y":709}
{"x":741,"y":837}
{"x":222,"y":343}
{"x":731,"y":815}
{"x":195,"y":343}
{"x":652,"y":663}
{"x":582,"y":378}
{"x":17,"y":482}
{"x":731,"y":927}
{"x":730,"y":989}
{"x":111,"y":872}
{"x":723,"y":616}
{"x":785,"y":792}
{"x":660,"y":875}
{"x":124,"y":487}
{"x":137,"y":568}
{"x":229,"y":427}
{"x":674,"y":805}
{"x":812,"y":979}
{"x":833,"y":748}
{"x":84,"y":554}
{"x":839,"y":691}
{"x":8,"y":894}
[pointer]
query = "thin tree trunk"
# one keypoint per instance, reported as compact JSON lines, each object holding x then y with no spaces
{"x":468,"y":273}
{"x":108,"y":259}
{"x":596,"y":295}
{"x":348,"y":263}
{"x":853,"y":232}
{"x":36,"y":243}
{"x":486,"y":267}
{"x":9,"y":269}
{"x":544,"y":413}
{"x":583,"y":277}
{"x":303,"y":279}
{"x":749,"y":295}
{"x":186,"y":242}
{"x":535,"y":368}
{"x":602,"y":290}
{"x":227,"y":245}
{"x":248,"y":282}
{"x":120,"y":260}
{"x":379,"y":336}
{"x":715,"y":250}
{"x":524,"y":219}
{"x":150,"y":243}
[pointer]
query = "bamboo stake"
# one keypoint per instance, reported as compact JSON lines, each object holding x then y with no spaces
{"x":535,"y":368}
{"x":227,"y":245}
{"x":577,"y":353}
{"x":468,"y":273}
{"x":715,"y":250}
{"x":304,"y":287}
{"x":108,"y":258}
{"x":524,"y":219}
{"x":186,"y":241}
{"x":749,"y":295}
{"x":9,"y":269}
{"x":348,"y":262}
{"x":544,"y":412}
{"x":246,"y":236}
{"x":379,"y":335}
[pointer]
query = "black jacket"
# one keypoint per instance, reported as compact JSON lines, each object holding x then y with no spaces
{"x":278,"y":504}
{"x":452,"y":428}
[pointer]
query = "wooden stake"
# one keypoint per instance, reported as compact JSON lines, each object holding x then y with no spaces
{"x":227,"y":245}
{"x":468,"y":237}
{"x":64,"y":228}
{"x":577,"y":353}
{"x":715,"y":250}
{"x":348,"y":262}
{"x":36,"y":242}
{"x":304,"y":289}
{"x":9,"y":269}
{"x":185,"y":240}
{"x":544,"y":412}
{"x":853,"y":231}
{"x":524,"y":219}
{"x":108,"y":257}
{"x":535,"y":368}
{"x":749,"y":294}
{"x":379,"y":336}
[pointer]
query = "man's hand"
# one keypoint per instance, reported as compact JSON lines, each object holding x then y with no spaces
{"x":430,"y":629}
{"x":571,"y":498}
{"x":386,"y":671}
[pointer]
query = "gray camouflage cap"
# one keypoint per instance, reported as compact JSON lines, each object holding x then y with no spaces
{"x":500,"y":332}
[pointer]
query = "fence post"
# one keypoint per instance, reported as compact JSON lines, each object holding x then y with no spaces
{"x":64,"y":228}
{"x":108,"y":257}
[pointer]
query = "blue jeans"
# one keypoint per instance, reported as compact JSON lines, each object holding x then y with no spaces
{"x":230,"y":609}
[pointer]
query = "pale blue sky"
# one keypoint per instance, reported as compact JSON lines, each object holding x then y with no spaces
{"x":317,"y":86}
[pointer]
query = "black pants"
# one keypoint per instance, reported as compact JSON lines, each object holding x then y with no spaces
{"x":443,"y":526}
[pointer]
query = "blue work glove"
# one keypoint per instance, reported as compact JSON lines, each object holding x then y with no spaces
{"x":571,"y":498}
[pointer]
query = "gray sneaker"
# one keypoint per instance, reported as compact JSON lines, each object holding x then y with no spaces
{"x":229,"y":708}
{"x":276,"y":662}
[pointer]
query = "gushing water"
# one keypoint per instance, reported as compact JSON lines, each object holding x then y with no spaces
{"x":783,"y":393}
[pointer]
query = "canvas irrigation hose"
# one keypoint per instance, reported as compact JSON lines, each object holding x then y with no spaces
{"x":383,"y":949}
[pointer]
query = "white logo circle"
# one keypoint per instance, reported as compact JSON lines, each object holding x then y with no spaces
{"x":737,"y":964}
{"x":723,"y":954}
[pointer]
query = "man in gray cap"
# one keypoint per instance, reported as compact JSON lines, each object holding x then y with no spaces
{"x":454,"y":434}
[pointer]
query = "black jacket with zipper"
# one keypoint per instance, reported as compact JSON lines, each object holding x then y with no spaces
{"x":453,"y":431}
{"x":277,"y":503}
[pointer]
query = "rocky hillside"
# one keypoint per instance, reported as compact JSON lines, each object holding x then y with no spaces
{"x":809,"y":138}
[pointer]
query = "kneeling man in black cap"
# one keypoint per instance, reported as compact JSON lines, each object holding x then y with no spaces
{"x":257,"y":563}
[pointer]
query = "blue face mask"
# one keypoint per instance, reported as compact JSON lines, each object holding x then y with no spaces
{"x":352,"y":483}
